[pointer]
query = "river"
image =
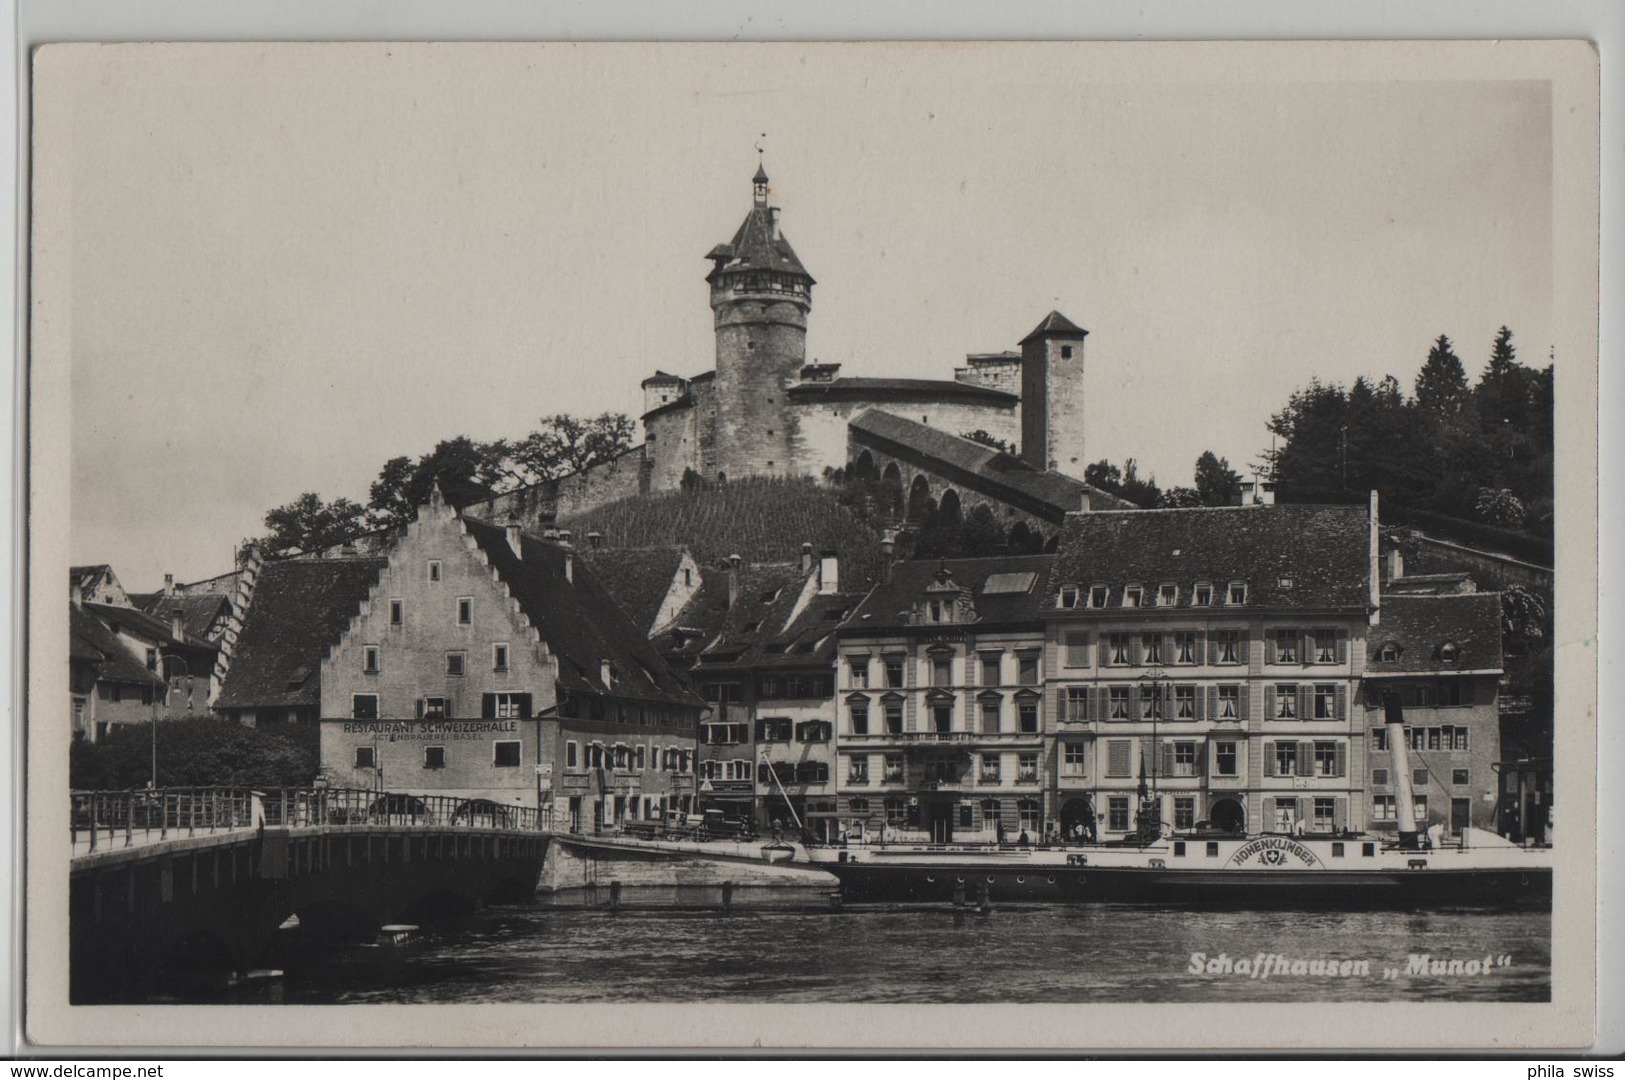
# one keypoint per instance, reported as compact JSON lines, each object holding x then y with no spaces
{"x":1032,"y":953}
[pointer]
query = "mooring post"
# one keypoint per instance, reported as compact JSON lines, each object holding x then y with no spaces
{"x":984,"y":900}
{"x":615,"y":896}
{"x":727,"y":896}
{"x":959,"y":893}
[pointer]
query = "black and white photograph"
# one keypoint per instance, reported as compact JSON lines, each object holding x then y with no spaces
{"x":569,"y":536}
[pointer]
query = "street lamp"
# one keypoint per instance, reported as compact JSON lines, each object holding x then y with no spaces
{"x":1154,"y":679}
{"x":163,"y":665}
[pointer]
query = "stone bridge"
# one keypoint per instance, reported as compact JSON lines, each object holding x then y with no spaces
{"x":186,"y":887}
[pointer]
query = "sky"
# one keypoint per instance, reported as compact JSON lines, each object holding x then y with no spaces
{"x":291,"y":264}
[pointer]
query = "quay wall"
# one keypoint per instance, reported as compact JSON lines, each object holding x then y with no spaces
{"x":573,"y":876}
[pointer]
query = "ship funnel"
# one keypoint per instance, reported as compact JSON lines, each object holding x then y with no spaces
{"x":1399,"y":755}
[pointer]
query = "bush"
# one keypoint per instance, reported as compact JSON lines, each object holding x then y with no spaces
{"x":199,"y":751}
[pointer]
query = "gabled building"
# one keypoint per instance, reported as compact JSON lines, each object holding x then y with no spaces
{"x":97,"y":584}
{"x":491,"y":665}
{"x":108,"y":682}
{"x":651,"y":585}
{"x":128,"y":666}
{"x":942,"y":725}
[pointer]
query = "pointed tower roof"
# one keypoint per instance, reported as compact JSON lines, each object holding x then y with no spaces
{"x":758,"y":244}
{"x":761,"y":173}
{"x":1055,"y":325}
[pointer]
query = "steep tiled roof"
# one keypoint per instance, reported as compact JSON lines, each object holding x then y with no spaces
{"x":139,"y":623}
{"x":884,"y":607}
{"x":1290,"y":556}
{"x":638,"y":579}
{"x":579,"y":619}
{"x":1049,"y":495}
{"x":849,"y":386}
{"x":300,"y":609}
{"x":1055,"y":323}
{"x":199,"y":610}
{"x":92,"y":642}
{"x":1420,"y":625}
{"x":754,"y":247}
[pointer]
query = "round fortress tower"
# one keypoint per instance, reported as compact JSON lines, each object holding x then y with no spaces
{"x":760,"y":297}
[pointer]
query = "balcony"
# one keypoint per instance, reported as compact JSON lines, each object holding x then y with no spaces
{"x":956,"y":738}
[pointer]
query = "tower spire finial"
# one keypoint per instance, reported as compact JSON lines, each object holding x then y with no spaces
{"x":759,"y":182}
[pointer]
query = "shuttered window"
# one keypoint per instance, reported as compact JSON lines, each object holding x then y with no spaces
{"x":1075,"y":649}
{"x":1118,"y":754}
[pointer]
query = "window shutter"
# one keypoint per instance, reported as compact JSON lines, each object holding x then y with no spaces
{"x":1242,"y":703}
{"x":1342,"y":702}
{"x":1136,"y":650}
{"x":1082,"y":712}
{"x":1167,"y":759}
{"x":1340,"y":813}
{"x":1105,"y":647}
{"x":1103,"y":703}
{"x":523,"y":702}
{"x":488,"y":706}
{"x":1306,"y":702}
{"x":1305,"y":639}
{"x":1201,"y":647}
{"x":1306,"y":759}
{"x":1244,"y":648}
{"x":1342,"y":760}
{"x":1060,"y":704}
{"x":420,"y":708}
{"x":1201,"y":758}
{"x":1213,"y":702}
{"x":1269,"y":759}
{"x":1342,"y":646}
{"x":1199,"y":703}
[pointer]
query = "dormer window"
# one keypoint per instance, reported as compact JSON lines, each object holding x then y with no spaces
{"x":1068,"y":597}
{"x":1202,"y":594}
{"x":1099,"y":595}
{"x":1236,"y":595}
{"x":1134,"y":596}
{"x":1449,"y":653}
{"x":1389,"y":652}
{"x":1167,"y":594}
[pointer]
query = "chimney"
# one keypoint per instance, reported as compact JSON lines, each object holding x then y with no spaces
{"x":829,"y":572}
{"x":806,"y":558}
{"x":564,"y":536}
{"x":888,"y":555}
{"x":1374,"y":566}
{"x":177,"y":624}
{"x":569,"y":563}
{"x":733,"y":581}
{"x":169,"y":584}
{"x":606,"y":673}
{"x":595,"y":539}
{"x":512,"y":531}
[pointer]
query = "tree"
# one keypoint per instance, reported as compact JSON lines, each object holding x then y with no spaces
{"x":1441,"y":385}
{"x":1217,"y":484}
{"x":1104,"y":476}
{"x":1181,"y":496}
{"x":467,"y":472}
{"x":309,"y":524}
{"x":1498,"y":506}
{"x":986,"y":438}
{"x":1125,"y":482}
{"x":566,"y":444}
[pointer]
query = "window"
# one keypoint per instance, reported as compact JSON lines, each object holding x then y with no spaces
{"x":1229,"y":703}
{"x":893,"y":773}
{"x":1421,"y":806}
{"x":1379,"y":738}
{"x":434,"y":757}
{"x":152,"y":659}
{"x":1167,"y":594}
{"x":1099,"y":596}
{"x":505,"y":754}
{"x":894,"y":717}
{"x":1379,"y":777}
{"x":1227,"y":646}
{"x":1286,"y":815}
{"x":505,"y":706}
{"x":812,"y":772}
{"x":1118,"y":650}
{"x":990,"y":768}
{"x":364,"y":706}
{"x":1027,"y":811}
{"x":1068,"y":597}
{"x":1027,"y":714}
{"x":1419,"y":778}
{"x":1072,"y":759}
{"x":432,"y":708}
{"x":1202,"y":594}
{"x":1448,"y":693}
{"x":1184,"y":759}
{"x":1184,"y":812}
{"x":1117,"y":813}
{"x":1286,"y":759}
{"x":397,"y":612}
{"x":1325,"y":646}
{"x":1118,"y":755}
{"x":1117,"y":698}
{"x":1148,"y":702}
{"x":364,"y":758}
{"x":1458,"y":738}
{"x":773,"y":729}
{"x":1236,"y":595}
{"x":572,"y":755}
{"x":1448,"y":652}
{"x":858,"y":711}
{"x":859,"y":805}
{"x":1151,"y":646}
{"x":991,"y":675}
{"x":1133,"y":596}
{"x":1224,"y":758}
{"x":1184,"y":646}
{"x":858,"y":672}
{"x":942,"y":671}
{"x":1328,"y":759}
{"x":1075,"y":649}
{"x":1460,"y":777}
{"x":465,"y":610}
{"x":896,"y":811}
{"x":1286,"y":701}
{"x":434,"y":569}
{"x":1075,"y":704}
{"x":1325,"y":701}
{"x":813,"y":731}
{"x":1066,"y":352}
{"x":990,"y":716}
{"x":857,"y":769}
{"x":1027,"y":665}
{"x":942,"y":717}
{"x":370,"y":659}
{"x":1383,"y":808}
{"x":456,"y":663}
{"x":894,"y":672}
{"x":640,"y":757}
{"x":1324,"y":811}
{"x":1286,"y":646}
{"x":499,"y":657}
{"x":1389,"y":652}
{"x":1185,"y":703}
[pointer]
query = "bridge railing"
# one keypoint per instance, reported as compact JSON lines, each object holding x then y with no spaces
{"x":102,"y":819}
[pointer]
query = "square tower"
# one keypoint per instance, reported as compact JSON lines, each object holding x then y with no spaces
{"x":1052,"y":396}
